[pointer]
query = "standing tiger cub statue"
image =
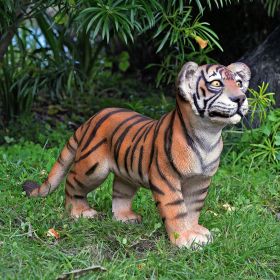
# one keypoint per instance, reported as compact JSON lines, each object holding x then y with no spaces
{"x":175,"y":156}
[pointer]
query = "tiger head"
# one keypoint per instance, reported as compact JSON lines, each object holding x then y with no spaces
{"x":216,"y":92}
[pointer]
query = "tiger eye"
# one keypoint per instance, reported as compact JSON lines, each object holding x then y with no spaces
{"x":239,"y":83}
{"x":216,"y":83}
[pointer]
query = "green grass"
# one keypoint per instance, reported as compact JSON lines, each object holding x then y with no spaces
{"x":246,"y":243}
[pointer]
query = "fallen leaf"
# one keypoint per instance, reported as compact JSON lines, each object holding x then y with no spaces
{"x":140,"y":266}
{"x":212,"y":212}
{"x":43,"y":172}
{"x":52,"y":232}
{"x":228,"y":207}
{"x":79,"y":272}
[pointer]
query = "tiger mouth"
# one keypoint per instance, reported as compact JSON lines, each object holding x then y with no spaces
{"x":223,"y":114}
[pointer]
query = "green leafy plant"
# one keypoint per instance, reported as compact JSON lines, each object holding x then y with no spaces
{"x":268,"y":146}
{"x":171,"y":25}
{"x":272,"y":6}
{"x":24,"y":77}
{"x":260,"y":102}
{"x":262,"y":143}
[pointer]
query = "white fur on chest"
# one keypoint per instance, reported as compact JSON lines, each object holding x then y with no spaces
{"x":206,"y":155}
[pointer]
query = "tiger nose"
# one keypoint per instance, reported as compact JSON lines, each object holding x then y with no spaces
{"x":238,"y":99}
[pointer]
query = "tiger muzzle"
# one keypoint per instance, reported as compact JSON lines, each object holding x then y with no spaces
{"x":238,"y":99}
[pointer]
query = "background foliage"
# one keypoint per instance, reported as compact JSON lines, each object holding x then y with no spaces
{"x":56,"y":49}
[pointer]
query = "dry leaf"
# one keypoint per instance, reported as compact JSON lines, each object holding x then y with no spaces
{"x":53,"y":233}
{"x":212,"y":212}
{"x":43,"y":172}
{"x":140,"y":266}
{"x":228,"y":207}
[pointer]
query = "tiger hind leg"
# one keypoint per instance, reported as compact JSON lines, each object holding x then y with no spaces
{"x":123,"y":194}
{"x":76,"y":190}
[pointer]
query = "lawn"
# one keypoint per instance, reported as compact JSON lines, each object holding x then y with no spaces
{"x":240,"y":210}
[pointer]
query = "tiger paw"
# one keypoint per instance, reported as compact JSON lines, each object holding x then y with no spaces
{"x":87,"y":213}
{"x":194,"y":239}
{"x":127,"y":217}
{"x":204,"y":231}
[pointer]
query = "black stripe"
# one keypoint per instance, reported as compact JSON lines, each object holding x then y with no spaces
{"x":213,"y":74}
{"x":134,"y":148}
{"x":156,"y":130}
{"x":200,"y":111}
{"x":162,"y":175}
{"x":175,"y":202}
{"x":210,"y":98}
{"x":186,"y":133}
{"x":78,"y":196}
{"x":199,"y":208}
{"x":213,"y":146}
{"x":140,"y":172}
{"x":75,"y":137}
{"x":157,"y":203}
{"x":188,"y":138}
{"x":125,"y":159}
{"x":103,"y":141}
{"x":201,"y":191}
{"x":156,"y":189}
{"x":67,"y":193}
{"x":198,"y":201}
{"x":70,"y":148}
{"x":120,"y":140}
{"x":70,"y":185}
{"x":213,"y":90}
{"x":148,"y":130}
{"x":99,"y":123}
{"x":121,"y":124}
{"x":205,"y":101}
{"x":208,"y":67}
{"x":80,"y":184}
{"x":88,"y":123}
{"x":203,"y":91}
{"x":219,"y":68}
{"x":182,"y":99}
{"x":60,"y":160}
{"x":168,"y":137}
{"x":196,"y":87}
{"x":92,"y":169}
{"x":181,"y":216}
{"x":211,"y":164}
{"x":139,"y":129}
{"x":214,"y":99}
{"x":84,"y":134}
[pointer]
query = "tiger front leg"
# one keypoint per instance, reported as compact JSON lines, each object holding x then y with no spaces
{"x":194,"y":191}
{"x":181,"y":229}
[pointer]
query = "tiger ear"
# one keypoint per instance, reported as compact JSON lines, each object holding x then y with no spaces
{"x":187,"y":72}
{"x":243,"y":71}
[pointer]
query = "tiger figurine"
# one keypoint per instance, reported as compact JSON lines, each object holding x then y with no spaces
{"x":175,"y":156}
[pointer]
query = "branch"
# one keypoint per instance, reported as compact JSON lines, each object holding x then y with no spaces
{"x":6,"y":40}
{"x":8,"y":36}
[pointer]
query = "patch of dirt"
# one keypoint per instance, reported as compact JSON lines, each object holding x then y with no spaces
{"x":144,"y":245}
